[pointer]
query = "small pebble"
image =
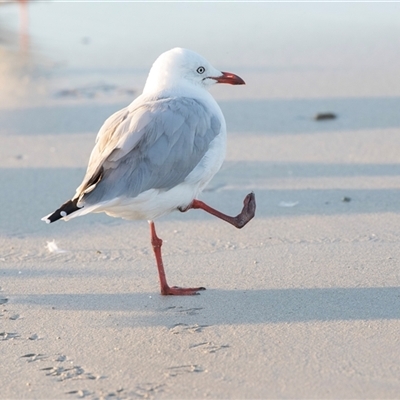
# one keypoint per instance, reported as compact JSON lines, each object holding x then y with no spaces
{"x":324,"y":116}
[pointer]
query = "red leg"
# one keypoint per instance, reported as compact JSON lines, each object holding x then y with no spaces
{"x":165,"y":289}
{"x":247,"y":213}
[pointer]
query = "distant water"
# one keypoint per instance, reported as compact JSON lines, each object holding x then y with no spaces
{"x":271,"y":44}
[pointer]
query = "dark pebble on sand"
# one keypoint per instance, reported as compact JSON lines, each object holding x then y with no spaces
{"x":325,"y":116}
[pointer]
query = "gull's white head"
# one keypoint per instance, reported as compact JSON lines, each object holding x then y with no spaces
{"x":179,"y":68}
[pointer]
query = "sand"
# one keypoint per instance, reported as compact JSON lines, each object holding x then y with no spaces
{"x":304,"y":302}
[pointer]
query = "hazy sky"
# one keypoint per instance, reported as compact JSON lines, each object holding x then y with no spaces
{"x":256,"y":35}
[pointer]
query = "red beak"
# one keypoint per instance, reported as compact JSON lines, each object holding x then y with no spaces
{"x":230,"y":78}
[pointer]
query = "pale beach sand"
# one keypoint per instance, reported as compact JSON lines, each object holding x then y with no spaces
{"x":304,"y":302}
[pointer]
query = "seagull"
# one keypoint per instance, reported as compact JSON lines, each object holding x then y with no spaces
{"x":157,"y":154}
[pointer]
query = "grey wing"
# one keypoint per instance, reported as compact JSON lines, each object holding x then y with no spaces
{"x":167,"y":140}
{"x":106,"y":141}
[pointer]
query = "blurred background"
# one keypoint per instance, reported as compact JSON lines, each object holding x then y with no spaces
{"x":88,"y":50}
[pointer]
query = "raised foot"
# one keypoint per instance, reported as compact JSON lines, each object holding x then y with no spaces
{"x":248,"y":211}
{"x":178,"y":291}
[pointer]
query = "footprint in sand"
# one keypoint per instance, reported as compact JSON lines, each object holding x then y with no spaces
{"x":185,"y":328}
{"x":31,"y":357}
{"x":209,"y":347}
{"x":98,"y":395}
{"x":63,"y":374}
{"x":14,"y":317}
{"x":184,"y":369}
{"x":147,"y":390}
{"x":80,"y":393}
{"x":34,"y":336}
{"x":8,"y":335}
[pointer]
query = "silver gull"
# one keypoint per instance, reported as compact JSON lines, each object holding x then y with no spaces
{"x":157,"y":154}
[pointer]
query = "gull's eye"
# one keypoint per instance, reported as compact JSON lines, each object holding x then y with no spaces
{"x":200,"y":70}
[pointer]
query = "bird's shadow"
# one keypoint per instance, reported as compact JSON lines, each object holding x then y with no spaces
{"x":227,"y":307}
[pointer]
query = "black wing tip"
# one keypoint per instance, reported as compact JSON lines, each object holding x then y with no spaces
{"x":67,"y":208}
